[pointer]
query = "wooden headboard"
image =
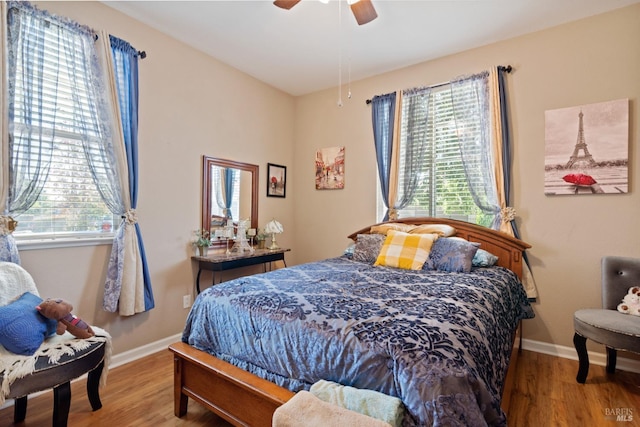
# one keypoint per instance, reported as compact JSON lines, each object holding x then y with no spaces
{"x":508,"y":249}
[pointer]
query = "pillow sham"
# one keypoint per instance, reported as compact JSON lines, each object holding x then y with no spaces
{"x":367,"y":247}
{"x":443,"y":230}
{"x":484,"y":258}
{"x":451,"y":254}
{"x":404,"y":250}
{"x":384,"y":228}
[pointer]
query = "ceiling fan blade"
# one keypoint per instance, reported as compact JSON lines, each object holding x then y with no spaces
{"x":364,"y":11}
{"x":286,"y":4}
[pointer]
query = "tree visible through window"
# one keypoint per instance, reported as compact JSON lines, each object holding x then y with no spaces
{"x":442,"y":186}
{"x":50,"y":77}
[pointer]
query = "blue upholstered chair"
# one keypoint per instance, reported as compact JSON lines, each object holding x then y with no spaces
{"x":606,"y":325}
{"x":73,"y":357}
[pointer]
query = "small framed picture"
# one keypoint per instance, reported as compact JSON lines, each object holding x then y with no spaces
{"x":330,"y":168}
{"x":276,"y":180}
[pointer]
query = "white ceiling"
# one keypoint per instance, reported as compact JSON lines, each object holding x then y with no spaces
{"x":298,"y":50}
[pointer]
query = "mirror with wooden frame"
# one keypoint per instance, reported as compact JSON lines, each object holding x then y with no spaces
{"x":228,"y":180}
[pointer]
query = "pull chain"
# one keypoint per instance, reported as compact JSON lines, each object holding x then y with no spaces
{"x":339,"y":54}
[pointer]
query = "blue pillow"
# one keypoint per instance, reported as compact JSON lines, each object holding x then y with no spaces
{"x":451,"y":254}
{"x":22,"y":328}
{"x":483,"y":258}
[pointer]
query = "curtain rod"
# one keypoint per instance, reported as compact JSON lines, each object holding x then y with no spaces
{"x":141,"y":53}
{"x":505,"y":68}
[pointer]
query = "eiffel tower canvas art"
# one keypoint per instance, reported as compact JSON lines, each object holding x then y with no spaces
{"x":580,"y":152}
{"x":587,"y":149}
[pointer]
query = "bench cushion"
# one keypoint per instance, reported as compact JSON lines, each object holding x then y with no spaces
{"x":59,"y":359}
{"x":49,"y":375}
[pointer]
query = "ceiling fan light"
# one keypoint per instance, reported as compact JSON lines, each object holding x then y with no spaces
{"x":364,"y":11}
{"x":286,"y":4}
{"x":324,"y":1}
{"x":350,"y":2}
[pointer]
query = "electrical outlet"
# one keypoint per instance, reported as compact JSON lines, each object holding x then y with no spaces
{"x":186,"y":301}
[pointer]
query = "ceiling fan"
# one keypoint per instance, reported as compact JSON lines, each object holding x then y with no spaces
{"x":363,"y":10}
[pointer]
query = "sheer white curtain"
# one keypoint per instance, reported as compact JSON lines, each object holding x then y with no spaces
{"x":31,"y":89}
{"x":480,"y":112}
{"x":8,"y":248}
{"x":411,"y":147}
{"x":470,"y":101}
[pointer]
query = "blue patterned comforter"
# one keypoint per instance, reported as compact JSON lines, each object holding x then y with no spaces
{"x":439,"y":341}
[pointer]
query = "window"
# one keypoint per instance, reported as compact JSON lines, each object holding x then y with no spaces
{"x":53,"y":120}
{"x":442,"y":185}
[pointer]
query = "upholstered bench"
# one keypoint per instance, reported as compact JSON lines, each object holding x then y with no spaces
{"x":607,"y":326}
{"x":55,"y":366}
{"x":34,"y":363}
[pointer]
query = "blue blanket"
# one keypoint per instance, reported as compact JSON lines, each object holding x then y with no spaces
{"x":438,"y":341}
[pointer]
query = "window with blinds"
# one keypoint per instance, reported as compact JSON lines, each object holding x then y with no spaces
{"x":442,"y":189}
{"x":69,"y":204}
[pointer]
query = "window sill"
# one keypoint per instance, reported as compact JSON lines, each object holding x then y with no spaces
{"x":68,"y":242}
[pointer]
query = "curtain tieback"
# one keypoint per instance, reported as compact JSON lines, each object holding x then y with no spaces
{"x":508,"y":214}
{"x":393,"y":214}
{"x":130,"y":217}
{"x":7,"y":225}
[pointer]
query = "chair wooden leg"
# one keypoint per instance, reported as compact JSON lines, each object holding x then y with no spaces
{"x":93,"y":385}
{"x":580,"y":344}
{"x":61,"y":404}
{"x":611,"y":360}
{"x":19,"y":409}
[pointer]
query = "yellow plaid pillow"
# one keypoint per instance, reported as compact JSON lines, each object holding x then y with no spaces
{"x":404,"y":250}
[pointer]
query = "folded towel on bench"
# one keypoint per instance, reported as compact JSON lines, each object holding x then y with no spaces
{"x":306,"y":410}
{"x":368,"y":402}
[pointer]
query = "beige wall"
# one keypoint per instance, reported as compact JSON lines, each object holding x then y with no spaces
{"x":192,"y":105}
{"x":588,"y":61}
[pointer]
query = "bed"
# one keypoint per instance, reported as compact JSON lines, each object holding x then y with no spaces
{"x":445,"y":343}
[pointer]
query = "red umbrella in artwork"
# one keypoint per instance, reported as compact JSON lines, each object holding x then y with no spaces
{"x":579,"y":179}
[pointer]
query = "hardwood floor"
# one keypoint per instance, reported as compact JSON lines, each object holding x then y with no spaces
{"x":137,"y":394}
{"x":546,"y":394}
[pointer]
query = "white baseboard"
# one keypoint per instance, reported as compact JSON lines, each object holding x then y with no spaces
{"x":140,"y":352}
{"x":595,"y":358}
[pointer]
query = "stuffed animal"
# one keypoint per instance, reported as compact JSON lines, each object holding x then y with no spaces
{"x":60,"y":310}
{"x":631,"y":302}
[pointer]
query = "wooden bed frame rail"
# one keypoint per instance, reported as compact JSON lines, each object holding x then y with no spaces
{"x":236,"y":395}
{"x":244,"y":399}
